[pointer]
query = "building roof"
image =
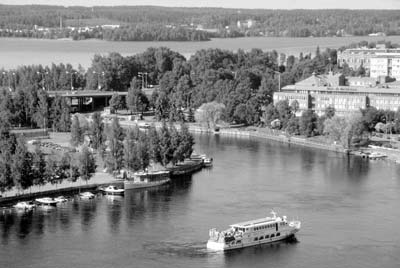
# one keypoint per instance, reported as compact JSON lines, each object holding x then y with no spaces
{"x":255,"y":222}
{"x":324,"y":84}
{"x":321,"y":80}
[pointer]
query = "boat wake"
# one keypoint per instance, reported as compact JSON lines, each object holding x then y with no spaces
{"x":195,"y":249}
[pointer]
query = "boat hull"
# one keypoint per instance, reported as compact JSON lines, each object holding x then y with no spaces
{"x":138,"y":185}
{"x":45,"y":202}
{"x":114,"y":192}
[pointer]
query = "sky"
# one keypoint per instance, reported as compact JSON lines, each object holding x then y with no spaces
{"x":266,"y":4}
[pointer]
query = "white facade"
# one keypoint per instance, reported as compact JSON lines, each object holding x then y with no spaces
{"x":386,"y":65}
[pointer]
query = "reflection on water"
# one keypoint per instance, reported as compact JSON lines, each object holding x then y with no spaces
{"x":339,"y":199}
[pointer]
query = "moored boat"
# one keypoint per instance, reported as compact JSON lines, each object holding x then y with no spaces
{"x":252,"y":233}
{"x":86,"y":195}
{"x":48,"y":201}
{"x":208,"y":162}
{"x":146,"y":179}
{"x":25,"y":205}
{"x":61,"y":199}
{"x":113,"y":190}
{"x":186,"y":167}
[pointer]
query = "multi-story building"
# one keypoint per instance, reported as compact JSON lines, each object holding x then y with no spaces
{"x":344,"y":94}
{"x":386,"y":64}
{"x":356,"y":57}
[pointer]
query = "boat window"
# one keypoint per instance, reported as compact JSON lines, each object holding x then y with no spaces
{"x":273,"y":235}
{"x":256,"y":239}
{"x":262,"y":237}
{"x":247,"y":229}
{"x":278,"y":234}
{"x":267,"y":236}
{"x":239,"y":241}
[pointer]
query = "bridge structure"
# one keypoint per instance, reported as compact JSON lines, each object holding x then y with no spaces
{"x":91,"y":99}
{"x":86,"y":99}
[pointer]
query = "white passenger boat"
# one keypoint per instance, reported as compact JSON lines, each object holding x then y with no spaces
{"x":146,"y":179}
{"x":252,"y":233}
{"x":86,"y":195}
{"x":48,"y":201}
{"x":25,"y":205}
{"x":113,"y":190}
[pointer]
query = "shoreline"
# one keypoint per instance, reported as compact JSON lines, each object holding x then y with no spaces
{"x":271,"y":135}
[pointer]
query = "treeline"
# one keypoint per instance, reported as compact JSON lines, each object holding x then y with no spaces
{"x":348,"y":130}
{"x":384,"y":43}
{"x":22,"y":169}
{"x":291,"y":23}
{"x":140,"y":32}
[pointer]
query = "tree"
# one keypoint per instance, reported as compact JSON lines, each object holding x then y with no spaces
{"x":166,"y":151}
{"x":136,"y":100}
{"x":176,"y":149}
{"x":345,"y":129}
{"x":41,"y":116}
{"x":210,"y":113}
{"x":116,"y":103}
{"x":38,"y":167}
{"x":60,"y":114}
{"x":96,"y":130}
{"x":22,"y":166}
{"x":294,"y":106}
{"x":186,"y":141}
{"x":115,"y":154}
{"x":292,"y":126}
{"x":308,"y":123}
{"x":330,"y":111}
{"x":154,"y":145}
{"x":76,"y":132}
{"x":87,"y":164}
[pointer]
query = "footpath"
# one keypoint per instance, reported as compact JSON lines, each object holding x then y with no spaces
{"x":66,"y":187}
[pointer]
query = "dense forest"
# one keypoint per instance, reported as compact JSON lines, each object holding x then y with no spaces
{"x":146,"y":23}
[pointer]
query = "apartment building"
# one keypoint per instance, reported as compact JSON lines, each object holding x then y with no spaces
{"x":344,"y":94}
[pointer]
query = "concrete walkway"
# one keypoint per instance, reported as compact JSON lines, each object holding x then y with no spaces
{"x":99,"y":178}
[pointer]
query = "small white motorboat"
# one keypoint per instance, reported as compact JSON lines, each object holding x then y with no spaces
{"x":208,"y":162}
{"x":113,"y":190}
{"x":61,"y":199}
{"x":86,"y":195}
{"x":48,"y":201}
{"x":25,"y":205}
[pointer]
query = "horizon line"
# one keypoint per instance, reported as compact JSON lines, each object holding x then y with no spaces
{"x":218,"y":7}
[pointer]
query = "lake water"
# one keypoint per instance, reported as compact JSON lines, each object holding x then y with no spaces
{"x":15,"y":52}
{"x":349,"y":209}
